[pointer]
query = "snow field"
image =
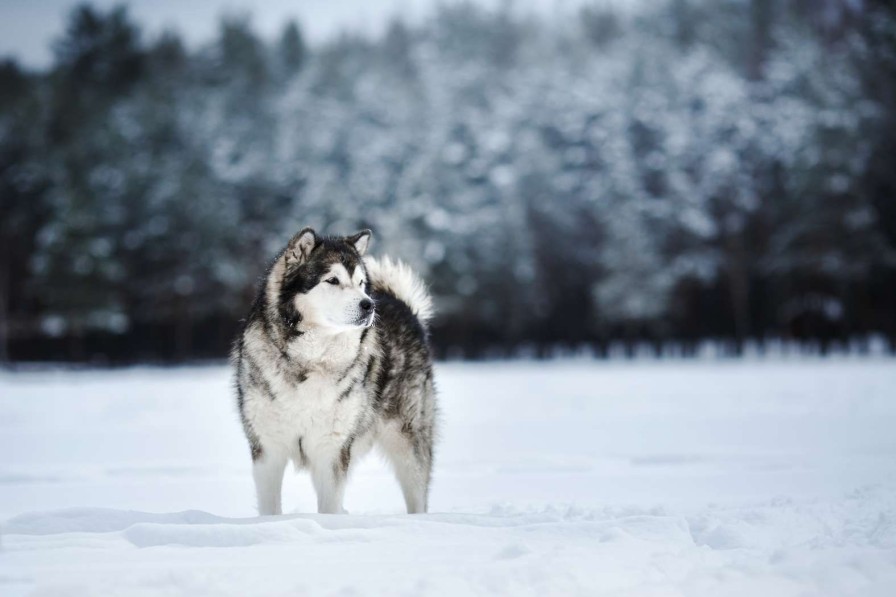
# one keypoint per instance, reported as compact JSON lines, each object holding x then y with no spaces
{"x":570,"y":478}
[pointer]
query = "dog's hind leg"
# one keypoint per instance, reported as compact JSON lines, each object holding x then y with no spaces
{"x":268,"y":470}
{"x":411,"y":458}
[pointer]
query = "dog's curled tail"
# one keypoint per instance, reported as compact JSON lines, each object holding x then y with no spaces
{"x":399,"y":279}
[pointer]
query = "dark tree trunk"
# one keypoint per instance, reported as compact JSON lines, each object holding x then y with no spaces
{"x":4,"y":309}
{"x":183,"y":331}
{"x":760,"y":37}
{"x":739,"y":288}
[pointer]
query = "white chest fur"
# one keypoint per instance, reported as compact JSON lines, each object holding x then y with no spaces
{"x":308,"y":416}
{"x":313,"y":412}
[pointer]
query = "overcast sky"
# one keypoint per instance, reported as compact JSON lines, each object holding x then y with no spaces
{"x":27,"y":27}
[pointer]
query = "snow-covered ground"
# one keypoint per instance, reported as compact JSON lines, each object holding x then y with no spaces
{"x":576,"y":478}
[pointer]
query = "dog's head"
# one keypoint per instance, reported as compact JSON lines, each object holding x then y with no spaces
{"x":324,"y":282}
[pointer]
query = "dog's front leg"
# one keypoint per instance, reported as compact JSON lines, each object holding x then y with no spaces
{"x":329,"y":482}
{"x":267,"y":471}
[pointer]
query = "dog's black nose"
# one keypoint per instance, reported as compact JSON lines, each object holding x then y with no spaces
{"x":366,"y":305}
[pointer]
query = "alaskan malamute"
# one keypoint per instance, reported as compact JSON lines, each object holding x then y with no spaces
{"x":332,"y":360}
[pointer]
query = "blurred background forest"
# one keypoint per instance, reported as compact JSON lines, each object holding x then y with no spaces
{"x":688,"y":170}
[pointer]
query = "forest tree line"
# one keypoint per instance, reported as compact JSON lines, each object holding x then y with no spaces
{"x":689,"y":170}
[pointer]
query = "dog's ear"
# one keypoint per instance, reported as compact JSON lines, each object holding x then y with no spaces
{"x":300,"y":247}
{"x":360,"y":240}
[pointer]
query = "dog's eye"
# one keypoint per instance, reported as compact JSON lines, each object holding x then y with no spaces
{"x":334,"y":281}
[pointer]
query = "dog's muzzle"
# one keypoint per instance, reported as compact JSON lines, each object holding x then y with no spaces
{"x":367,"y":313}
